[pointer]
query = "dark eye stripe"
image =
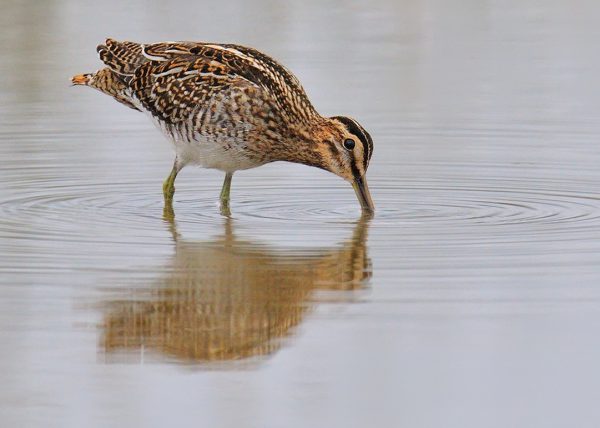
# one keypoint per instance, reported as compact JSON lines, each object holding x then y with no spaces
{"x":364,"y":137}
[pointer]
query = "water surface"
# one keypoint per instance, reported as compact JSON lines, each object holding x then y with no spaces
{"x":471,"y":299}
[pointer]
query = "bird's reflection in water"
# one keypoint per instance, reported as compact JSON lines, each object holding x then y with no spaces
{"x":230,"y":299}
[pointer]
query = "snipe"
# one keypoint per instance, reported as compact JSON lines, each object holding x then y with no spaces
{"x":230,"y":107}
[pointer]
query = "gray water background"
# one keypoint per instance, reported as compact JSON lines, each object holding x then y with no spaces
{"x":470,"y":300}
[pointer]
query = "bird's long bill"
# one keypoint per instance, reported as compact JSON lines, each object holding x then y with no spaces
{"x":363,"y":194}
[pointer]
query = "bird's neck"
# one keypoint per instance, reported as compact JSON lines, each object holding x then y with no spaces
{"x":306,"y":144}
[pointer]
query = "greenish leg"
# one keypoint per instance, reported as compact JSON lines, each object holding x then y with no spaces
{"x":225,"y":192}
{"x":168,"y":212}
{"x":226,"y":188}
{"x":169,"y":184}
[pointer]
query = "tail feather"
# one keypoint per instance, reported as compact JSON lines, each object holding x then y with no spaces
{"x":81,"y":79}
{"x":108,"y":82}
{"x":122,"y":59}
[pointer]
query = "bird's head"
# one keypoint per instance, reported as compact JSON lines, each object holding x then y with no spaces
{"x":346,"y":149}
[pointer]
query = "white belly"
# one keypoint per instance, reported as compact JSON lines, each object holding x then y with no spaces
{"x":208,"y":153}
{"x":195,"y":149}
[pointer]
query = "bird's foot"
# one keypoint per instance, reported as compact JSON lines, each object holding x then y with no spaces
{"x":224,"y":208}
{"x":168,"y":212}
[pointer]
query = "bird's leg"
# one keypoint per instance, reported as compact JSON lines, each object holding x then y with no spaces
{"x":169,"y":184}
{"x":225,"y":194}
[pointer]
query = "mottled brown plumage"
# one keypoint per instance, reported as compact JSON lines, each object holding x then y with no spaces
{"x":230,"y":107}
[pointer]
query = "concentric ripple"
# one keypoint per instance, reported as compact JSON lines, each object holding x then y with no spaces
{"x":62,"y":210}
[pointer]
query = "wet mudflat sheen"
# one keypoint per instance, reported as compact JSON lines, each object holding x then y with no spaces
{"x":471,"y":299}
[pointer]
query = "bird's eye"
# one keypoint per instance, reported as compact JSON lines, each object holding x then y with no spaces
{"x":349,"y":144}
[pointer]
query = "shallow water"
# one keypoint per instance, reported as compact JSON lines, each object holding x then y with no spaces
{"x":471,"y":299}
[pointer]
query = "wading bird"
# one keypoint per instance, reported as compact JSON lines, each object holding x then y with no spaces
{"x":230,"y":107}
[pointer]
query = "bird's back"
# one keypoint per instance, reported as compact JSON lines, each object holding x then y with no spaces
{"x":162,"y":77}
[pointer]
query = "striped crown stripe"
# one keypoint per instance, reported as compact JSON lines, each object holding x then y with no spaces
{"x":355,"y":129}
